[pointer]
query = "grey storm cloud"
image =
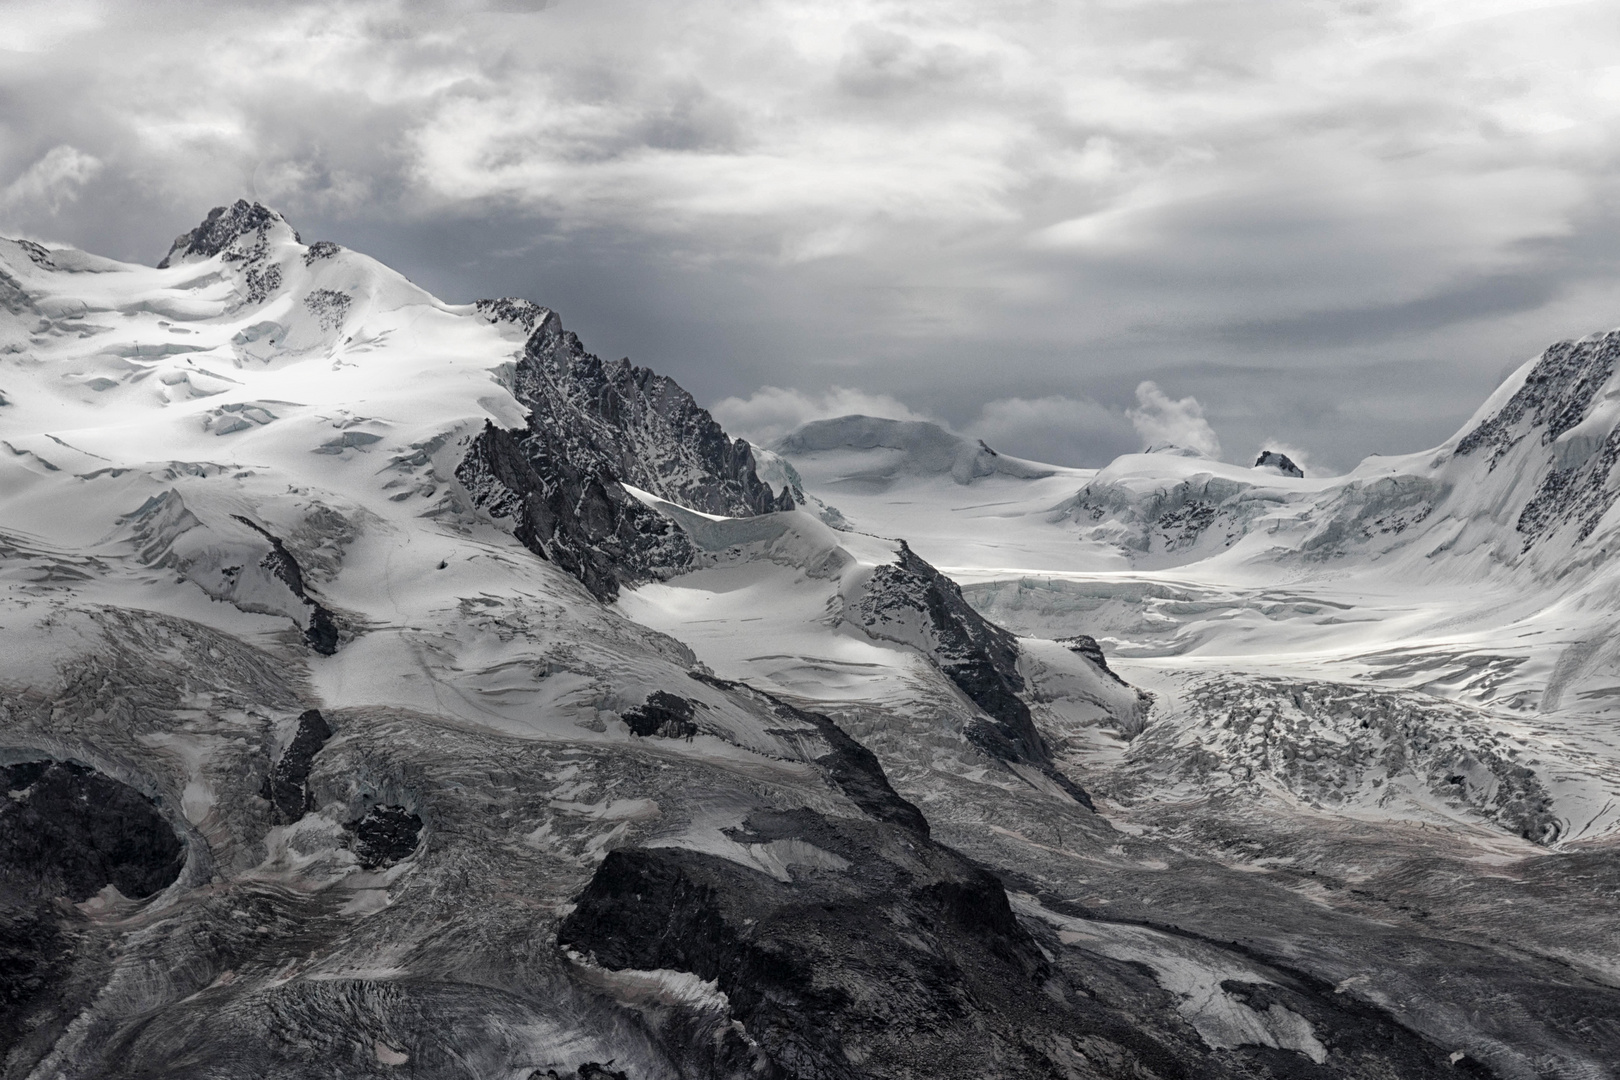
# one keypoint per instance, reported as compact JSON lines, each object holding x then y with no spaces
{"x":1332,"y":224}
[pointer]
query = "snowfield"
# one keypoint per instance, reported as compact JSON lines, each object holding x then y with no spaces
{"x":395,"y":688}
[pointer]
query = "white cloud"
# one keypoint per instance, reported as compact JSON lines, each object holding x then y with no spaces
{"x":51,"y":181}
{"x":1252,"y":187}
{"x":1159,"y":418}
{"x":771,"y":412}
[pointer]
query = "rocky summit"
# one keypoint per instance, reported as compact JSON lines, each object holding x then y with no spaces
{"x":395,"y":688}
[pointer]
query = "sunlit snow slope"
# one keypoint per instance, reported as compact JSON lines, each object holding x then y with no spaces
{"x":394,"y":688}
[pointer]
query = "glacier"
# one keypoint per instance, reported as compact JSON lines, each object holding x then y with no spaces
{"x":395,"y":688}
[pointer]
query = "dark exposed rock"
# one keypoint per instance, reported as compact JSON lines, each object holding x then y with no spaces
{"x":582,"y":520}
{"x":1280,"y":461}
{"x":287,"y":786}
{"x":39,"y":254}
{"x":909,"y":954}
{"x":33,"y":955}
{"x":665,"y":715}
{"x":978,"y":656}
{"x":850,"y":767}
{"x":221,"y":228}
{"x":641,"y":426}
{"x":329,"y":306}
{"x":975,"y":654}
{"x":1582,"y":493}
{"x":1085,"y":645}
{"x":385,"y":835}
{"x":591,"y":1070}
{"x":1555,"y":396}
{"x":67,"y":830}
{"x":320,"y":249}
{"x":594,"y":427}
{"x":887,"y":955}
{"x":322,"y":632}
{"x":524,"y":314}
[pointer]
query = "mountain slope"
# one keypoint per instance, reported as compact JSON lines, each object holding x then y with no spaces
{"x":505,"y":723}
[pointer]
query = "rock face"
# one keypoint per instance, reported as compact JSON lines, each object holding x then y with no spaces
{"x":594,"y":426}
{"x":584,"y":521}
{"x":911,"y":602}
{"x":1085,"y":645}
{"x":1555,"y":396}
{"x":385,"y":835}
{"x":641,"y":426}
{"x":865,"y":963}
{"x":287,"y":787}
{"x":322,"y":629}
{"x":67,"y":830}
{"x":665,"y":715}
{"x":1554,"y":403}
{"x":1273,"y":459}
{"x":878,"y":953}
{"x":222,"y":228}
{"x":66,"y":833}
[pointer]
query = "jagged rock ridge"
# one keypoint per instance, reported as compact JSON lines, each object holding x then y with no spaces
{"x":222,"y":228}
{"x":594,"y":426}
{"x":640,"y":425}
{"x":487,"y":782}
{"x":911,"y":602}
{"x":583,"y":521}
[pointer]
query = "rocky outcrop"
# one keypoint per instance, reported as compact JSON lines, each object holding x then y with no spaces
{"x":580,"y":518}
{"x":910,"y":602}
{"x":222,"y":228}
{"x":1558,"y":394}
{"x":884,"y":951}
{"x":1085,"y":645}
{"x":67,"y":830}
{"x":665,"y":715}
{"x":287,"y":787}
{"x":593,"y":428}
{"x":1555,"y":396}
{"x":1275,"y":459}
{"x":641,"y":426}
{"x":66,"y":833}
{"x":322,"y":631}
{"x":385,"y":835}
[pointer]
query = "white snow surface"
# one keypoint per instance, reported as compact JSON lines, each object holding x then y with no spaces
{"x":158,"y":426}
{"x":1323,"y":659}
{"x":1408,"y":574}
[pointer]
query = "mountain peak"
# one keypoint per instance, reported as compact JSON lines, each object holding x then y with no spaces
{"x":1175,"y":449}
{"x":222,"y":227}
{"x":916,"y":447}
{"x":1274,"y":459}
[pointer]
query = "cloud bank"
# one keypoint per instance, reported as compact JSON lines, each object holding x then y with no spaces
{"x":1261,"y":204}
{"x":1165,"y":421}
{"x":771,"y":412}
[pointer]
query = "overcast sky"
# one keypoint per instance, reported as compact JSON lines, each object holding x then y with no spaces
{"x":1331,"y":226}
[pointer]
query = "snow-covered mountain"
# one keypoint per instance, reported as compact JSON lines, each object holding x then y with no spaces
{"x":396,"y":689}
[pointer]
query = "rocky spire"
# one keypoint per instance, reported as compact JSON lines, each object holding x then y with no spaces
{"x":221,"y":228}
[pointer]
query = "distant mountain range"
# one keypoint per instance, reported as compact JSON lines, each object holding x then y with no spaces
{"x":395,"y":688}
